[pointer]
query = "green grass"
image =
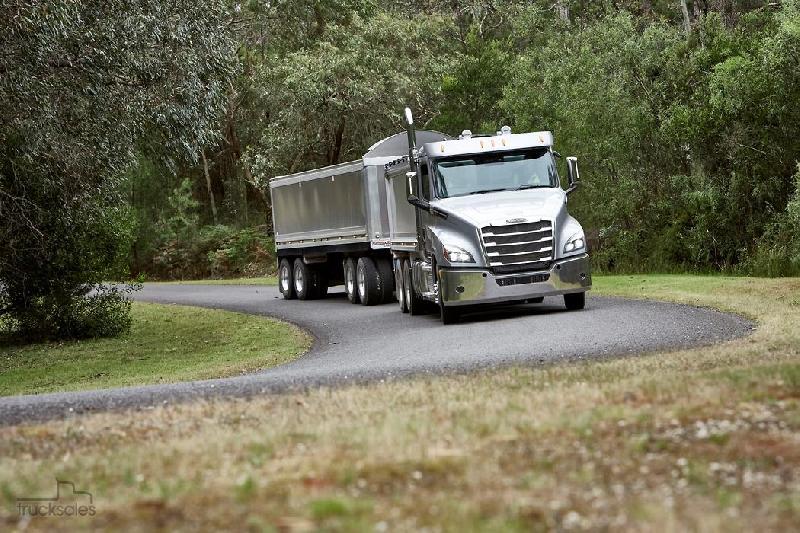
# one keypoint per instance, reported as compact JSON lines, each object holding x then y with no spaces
{"x":166,"y":344}
{"x":700,"y":439}
{"x":264,"y":280}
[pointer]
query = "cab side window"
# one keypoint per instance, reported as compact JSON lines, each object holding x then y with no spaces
{"x":425,"y":182}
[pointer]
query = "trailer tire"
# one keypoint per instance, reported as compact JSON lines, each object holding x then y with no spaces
{"x":400,"y":287}
{"x":368,"y":281}
{"x":414,"y":303}
{"x":386,"y":274}
{"x":575,"y":301}
{"x":350,"y":287}
{"x":286,"y":280}
{"x":305,"y":280}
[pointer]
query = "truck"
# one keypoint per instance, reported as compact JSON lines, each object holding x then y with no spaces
{"x":435,"y":222}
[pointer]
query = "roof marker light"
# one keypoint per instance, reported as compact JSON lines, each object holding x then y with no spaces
{"x":441,"y":148}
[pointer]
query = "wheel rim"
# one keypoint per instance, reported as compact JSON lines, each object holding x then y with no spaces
{"x":348,"y":281}
{"x":401,"y":290}
{"x":299,"y":283}
{"x":285,"y":279}
{"x":407,"y":285}
{"x":361,"y":279}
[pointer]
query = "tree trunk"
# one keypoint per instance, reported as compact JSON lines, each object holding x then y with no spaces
{"x":208,"y":186}
{"x":687,"y":25}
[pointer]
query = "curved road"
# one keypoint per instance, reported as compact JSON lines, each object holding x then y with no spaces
{"x":356,"y":343}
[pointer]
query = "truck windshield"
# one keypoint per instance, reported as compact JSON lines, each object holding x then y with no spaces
{"x":494,"y":172}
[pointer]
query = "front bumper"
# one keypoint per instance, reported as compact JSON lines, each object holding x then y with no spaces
{"x":466,"y":286}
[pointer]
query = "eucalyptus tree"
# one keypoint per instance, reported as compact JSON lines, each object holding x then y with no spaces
{"x":84,"y":87}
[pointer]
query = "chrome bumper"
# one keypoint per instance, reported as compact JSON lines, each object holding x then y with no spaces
{"x":465,"y":286}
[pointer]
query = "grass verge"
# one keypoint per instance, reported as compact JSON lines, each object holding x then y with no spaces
{"x":700,"y":439}
{"x":167,"y":343}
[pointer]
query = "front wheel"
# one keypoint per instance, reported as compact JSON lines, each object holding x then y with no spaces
{"x":575,"y":301}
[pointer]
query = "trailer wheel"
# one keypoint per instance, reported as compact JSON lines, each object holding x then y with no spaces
{"x":350,"y":287}
{"x":368,"y":281}
{"x":286,"y":280}
{"x":575,"y":301}
{"x":386,"y":274}
{"x":400,"y":287}
{"x":413,"y":302}
{"x":305,"y":280}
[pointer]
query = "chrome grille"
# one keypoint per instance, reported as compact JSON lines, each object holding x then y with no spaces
{"x":519,"y":247}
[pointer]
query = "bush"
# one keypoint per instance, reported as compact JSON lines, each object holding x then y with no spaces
{"x":100,"y":312}
{"x":215,"y":251}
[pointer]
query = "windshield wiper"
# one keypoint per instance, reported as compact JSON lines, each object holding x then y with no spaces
{"x":523,"y":187}
{"x":490,"y":190}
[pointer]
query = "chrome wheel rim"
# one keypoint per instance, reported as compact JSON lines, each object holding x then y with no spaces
{"x":349,"y":284}
{"x":361,"y":279}
{"x":407,"y":285}
{"x":298,"y":280}
{"x":401,"y":290}
{"x":285,"y":279}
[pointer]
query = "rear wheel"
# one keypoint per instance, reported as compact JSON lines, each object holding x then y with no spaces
{"x":413,"y":302}
{"x":386,"y":280}
{"x":350,"y":280}
{"x":286,"y":280}
{"x":303,"y":282}
{"x":400,"y":287}
{"x":368,"y":281}
{"x":575,"y":301}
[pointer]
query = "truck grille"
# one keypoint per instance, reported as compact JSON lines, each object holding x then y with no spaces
{"x":519,"y":247}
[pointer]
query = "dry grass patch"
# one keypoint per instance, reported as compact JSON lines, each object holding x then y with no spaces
{"x":700,"y":439}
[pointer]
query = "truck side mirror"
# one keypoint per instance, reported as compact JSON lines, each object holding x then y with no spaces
{"x":413,"y":189}
{"x":414,"y":199}
{"x":573,"y":174}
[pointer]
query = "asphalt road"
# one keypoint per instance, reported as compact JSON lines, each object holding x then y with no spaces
{"x":361,"y":344}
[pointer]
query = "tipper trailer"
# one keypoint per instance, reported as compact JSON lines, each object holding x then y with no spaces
{"x":430,"y":220}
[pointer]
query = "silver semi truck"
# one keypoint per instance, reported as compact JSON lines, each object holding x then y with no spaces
{"x":433,"y":221}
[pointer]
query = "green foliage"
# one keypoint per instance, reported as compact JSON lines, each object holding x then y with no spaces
{"x":686,"y":144}
{"x":83,"y":87}
{"x":215,"y":251}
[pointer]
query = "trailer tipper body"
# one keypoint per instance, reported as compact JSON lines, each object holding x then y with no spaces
{"x":434,"y":222}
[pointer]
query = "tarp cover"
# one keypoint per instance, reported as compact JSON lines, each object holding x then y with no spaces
{"x":397,"y":144}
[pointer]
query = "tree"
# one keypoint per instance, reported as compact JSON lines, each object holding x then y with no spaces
{"x":85,"y":87}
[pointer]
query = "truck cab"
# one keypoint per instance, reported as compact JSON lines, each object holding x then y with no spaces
{"x":483,"y":219}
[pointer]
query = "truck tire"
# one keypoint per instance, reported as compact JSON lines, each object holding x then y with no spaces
{"x":306,"y":280}
{"x":286,"y":280}
{"x":400,"y":287}
{"x":575,"y":301}
{"x":368,"y":281}
{"x":386,"y":278}
{"x":350,"y":288}
{"x":414,"y":303}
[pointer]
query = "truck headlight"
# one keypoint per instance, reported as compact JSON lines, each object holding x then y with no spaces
{"x":454,"y":254}
{"x":575,"y":243}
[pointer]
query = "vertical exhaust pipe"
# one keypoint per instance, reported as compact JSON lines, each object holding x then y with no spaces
{"x":412,"y":139}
